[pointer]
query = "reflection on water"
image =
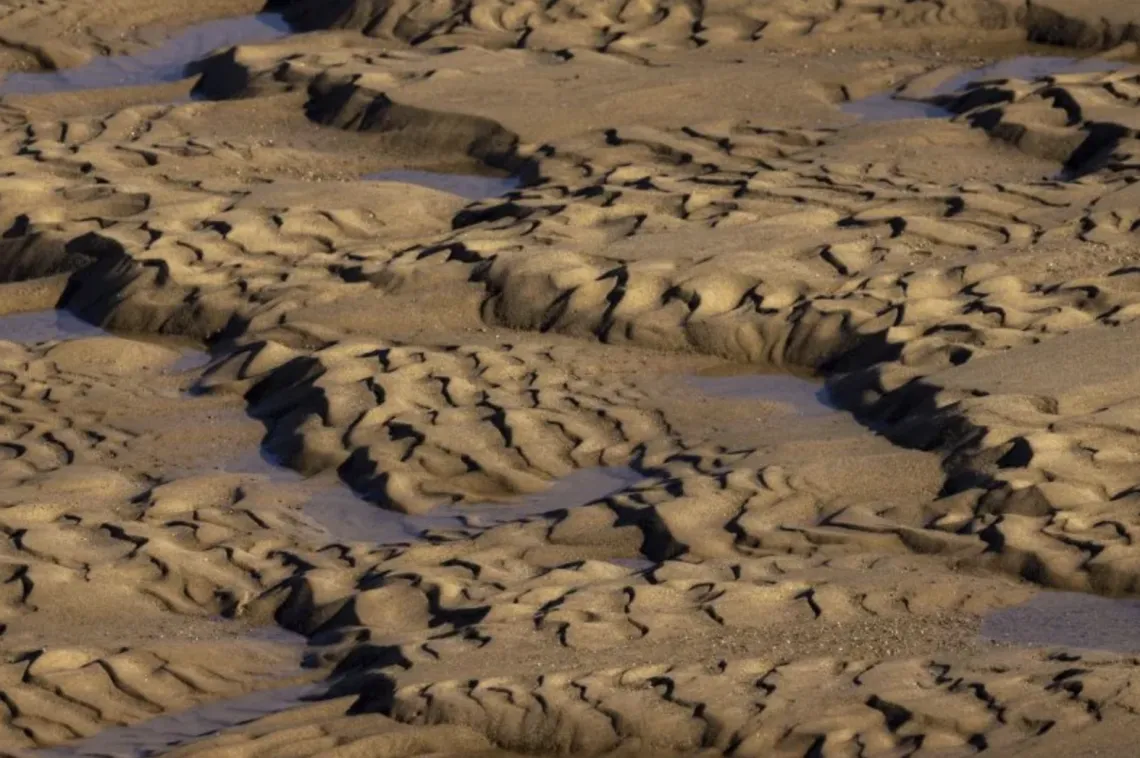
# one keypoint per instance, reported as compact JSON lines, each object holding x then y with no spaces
{"x":161,"y":65}
{"x":469,"y":186}
{"x":633,"y":564}
{"x":59,"y":325}
{"x":805,"y":396}
{"x":1029,"y":67}
{"x":345,"y":516}
{"x":191,"y":360}
{"x":1068,"y":619}
{"x":577,"y":489}
{"x":159,"y":735}
{"x":884,"y":106}
{"x":45,"y":326}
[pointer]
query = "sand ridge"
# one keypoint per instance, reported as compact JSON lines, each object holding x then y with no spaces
{"x":801,"y":586}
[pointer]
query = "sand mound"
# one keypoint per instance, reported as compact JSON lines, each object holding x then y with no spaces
{"x":1104,"y":26}
{"x":758,"y":581}
{"x":618,"y":27}
{"x":466,"y":424}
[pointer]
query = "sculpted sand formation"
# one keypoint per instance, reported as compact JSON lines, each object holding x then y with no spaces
{"x":329,"y":406}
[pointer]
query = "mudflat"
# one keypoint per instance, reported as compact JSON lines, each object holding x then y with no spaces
{"x":586,"y":378}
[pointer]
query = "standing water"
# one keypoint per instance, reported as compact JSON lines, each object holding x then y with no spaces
{"x":1068,"y":619}
{"x":805,"y":397}
{"x":54,"y":325}
{"x":888,"y":106}
{"x":470,"y":186}
{"x":46,"y":326}
{"x":159,"y":735}
{"x":343,"y":515}
{"x":161,"y":65}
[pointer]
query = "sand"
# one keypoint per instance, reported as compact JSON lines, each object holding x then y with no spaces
{"x":579,"y":378}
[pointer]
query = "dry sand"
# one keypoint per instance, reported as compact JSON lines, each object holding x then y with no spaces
{"x":553,"y":472}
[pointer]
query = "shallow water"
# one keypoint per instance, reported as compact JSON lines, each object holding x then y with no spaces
{"x":59,"y":325}
{"x":577,"y":489}
{"x":161,"y":65}
{"x":805,"y":396}
{"x":333,"y":507}
{"x":469,"y":186}
{"x":346,"y":516}
{"x":1030,"y":67}
{"x":44,"y":326}
{"x":884,"y":106}
{"x":633,"y":564}
{"x":191,"y":360}
{"x":1068,"y":619}
{"x":160,"y":735}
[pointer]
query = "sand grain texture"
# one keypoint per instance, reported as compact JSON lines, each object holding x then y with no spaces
{"x":287,"y":342}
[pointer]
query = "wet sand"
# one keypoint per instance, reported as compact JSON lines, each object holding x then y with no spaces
{"x":578,"y":379}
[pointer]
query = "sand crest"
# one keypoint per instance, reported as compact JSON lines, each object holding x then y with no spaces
{"x":473,"y":439}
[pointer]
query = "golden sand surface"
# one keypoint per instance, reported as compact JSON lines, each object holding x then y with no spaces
{"x":787,"y":370}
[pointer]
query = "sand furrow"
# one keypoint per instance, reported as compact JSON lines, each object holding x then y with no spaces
{"x":463,"y":444}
